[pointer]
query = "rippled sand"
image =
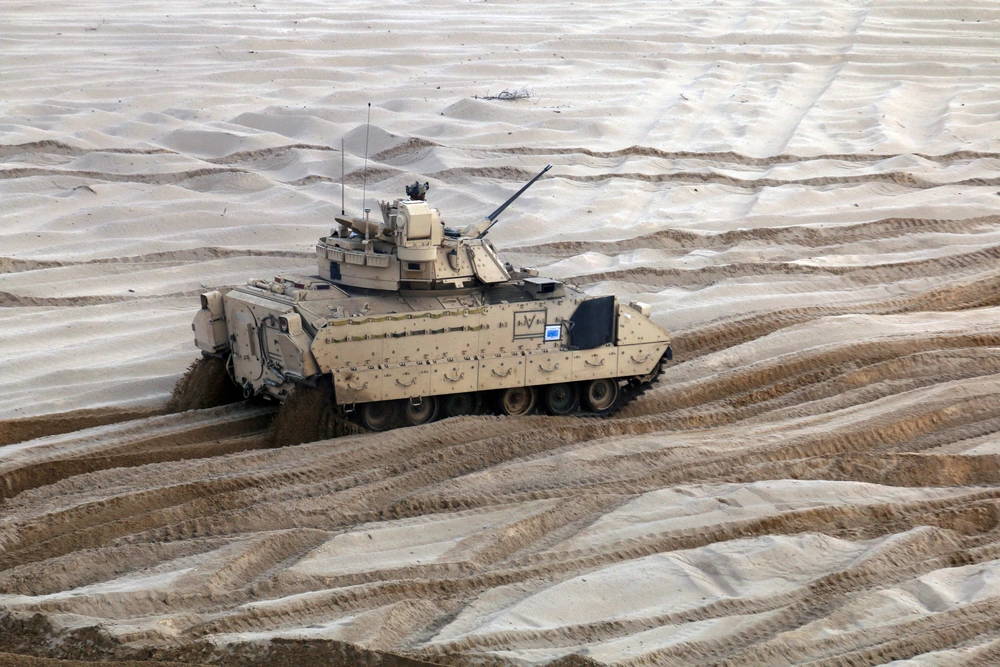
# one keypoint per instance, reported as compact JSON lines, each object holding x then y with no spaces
{"x":808,"y":196}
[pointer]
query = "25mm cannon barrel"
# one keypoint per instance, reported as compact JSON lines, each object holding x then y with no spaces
{"x":492,"y":217}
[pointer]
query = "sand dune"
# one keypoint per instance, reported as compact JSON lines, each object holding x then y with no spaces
{"x":806,"y":194}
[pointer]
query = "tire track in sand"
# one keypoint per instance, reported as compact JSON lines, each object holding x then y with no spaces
{"x":404,"y":476}
{"x":731,"y":331}
{"x":451,"y":175}
{"x":899,"y":178}
{"x":797,"y":235}
{"x":203,"y":253}
{"x":415,"y":144}
{"x":982,"y":260}
{"x":737,"y":158}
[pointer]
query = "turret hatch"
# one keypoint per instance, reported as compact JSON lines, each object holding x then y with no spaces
{"x":486,"y":265}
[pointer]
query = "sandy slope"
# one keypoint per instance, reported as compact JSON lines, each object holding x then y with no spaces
{"x":807,"y":194}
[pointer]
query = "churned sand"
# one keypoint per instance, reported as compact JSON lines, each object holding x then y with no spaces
{"x":806,"y":193}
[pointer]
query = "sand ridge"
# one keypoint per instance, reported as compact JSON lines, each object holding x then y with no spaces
{"x":807,"y":195}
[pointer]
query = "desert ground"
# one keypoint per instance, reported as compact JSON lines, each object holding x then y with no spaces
{"x":808,"y":195}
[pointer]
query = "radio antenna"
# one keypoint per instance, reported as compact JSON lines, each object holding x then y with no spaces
{"x":342,"y":211}
{"x":364,"y":177}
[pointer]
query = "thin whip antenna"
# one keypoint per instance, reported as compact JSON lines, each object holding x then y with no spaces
{"x":364,"y":178}
{"x":342,"y":185}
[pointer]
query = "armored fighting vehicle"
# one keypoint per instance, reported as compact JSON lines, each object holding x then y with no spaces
{"x":408,"y":320}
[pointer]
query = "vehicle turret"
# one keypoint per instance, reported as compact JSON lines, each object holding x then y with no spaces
{"x":411,"y":249}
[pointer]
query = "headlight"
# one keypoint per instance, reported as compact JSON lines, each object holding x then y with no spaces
{"x":212,"y":302}
{"x":643,"y":308}
{"x":290,"y":323}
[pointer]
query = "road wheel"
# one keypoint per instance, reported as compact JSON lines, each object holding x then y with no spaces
{"x":379,"y":415}
{"x":600,"y":395}
{"x":517,"y":400}
{"x":425,"y":411}
{"x":466,"y":403}
{"x":560,"y":399}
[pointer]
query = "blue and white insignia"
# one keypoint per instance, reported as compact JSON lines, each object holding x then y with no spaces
{"x":553,"y":331}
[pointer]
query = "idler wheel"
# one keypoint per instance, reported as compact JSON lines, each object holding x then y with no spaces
{"x":517,"y":401}
{"x":423,"y":412}
{"x":560,"y":399}
{"x":600,"y":395}
{"x":379,"y":415}
{"x":466,"y":403}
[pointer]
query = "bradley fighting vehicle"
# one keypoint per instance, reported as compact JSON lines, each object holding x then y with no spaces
{"x":408,"y":320}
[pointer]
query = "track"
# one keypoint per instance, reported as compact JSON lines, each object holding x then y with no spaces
{"x":309,"y":414}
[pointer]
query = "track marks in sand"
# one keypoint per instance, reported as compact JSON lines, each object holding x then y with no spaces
{"x":230,"y":523}
{"x":29,"y":428}
{"x":496,"y":511}
{"x":441,"y":534}
{"x":797,"y":235}
{"x":204,"y":253}
{"x":412,"y":145}
{"x":729,"y":157}
{"x":51,"y":146}
{"x":8,"y":300}
{"x":727,"y":332}
{"x":170,"y":178}
{"x":913,"y":553}
{"x":170,"y":437}
{"x":899,"y":178}
{"x":156,"y":268}
{"x":814,"y":480}
{"x":979,"y":261}
{"x":250,"y":178}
